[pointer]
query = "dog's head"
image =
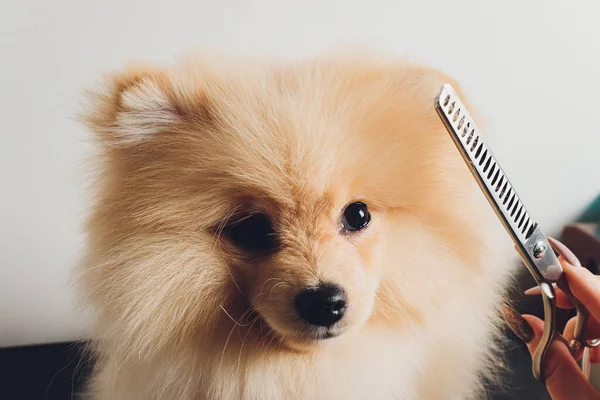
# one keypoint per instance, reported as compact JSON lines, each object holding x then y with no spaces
{"x":305,"y":201}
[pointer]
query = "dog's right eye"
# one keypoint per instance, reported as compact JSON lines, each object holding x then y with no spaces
{"x":253,"y":233}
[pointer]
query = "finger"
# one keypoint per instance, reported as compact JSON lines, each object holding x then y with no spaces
{"x":563,"y":377}
{"x":595,"y":355}
{"x":583,"y":284}
{"x":536,"y":289}
{"x":585,"y":287}
{"x":562,"y":300}
{"x":592,"y":329}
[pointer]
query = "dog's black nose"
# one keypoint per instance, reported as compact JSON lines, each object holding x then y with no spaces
{"x":322,"y":305}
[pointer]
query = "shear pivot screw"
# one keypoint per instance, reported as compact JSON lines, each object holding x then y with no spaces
{"x":539,"y":249}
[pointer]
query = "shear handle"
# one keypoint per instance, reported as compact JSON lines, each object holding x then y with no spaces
{"x":583,"y":316}
{"x":549,"y":333}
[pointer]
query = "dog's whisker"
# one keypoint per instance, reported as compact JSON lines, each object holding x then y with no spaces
{"x":230,"y":273}
{"x":217,"y":243}
{"x":261,"y":324}
{"x":237,"y":323}
{"x":268,"y":280}
{"x":262,"y":343}
{"x":225,"y":346}
{"x":273,"y":337}
{"x":222,"y":225}
{"x":273,"y":288}
{"x":244,"y":341}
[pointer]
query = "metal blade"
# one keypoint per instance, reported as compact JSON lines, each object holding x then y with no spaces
{"x":530,"y":241}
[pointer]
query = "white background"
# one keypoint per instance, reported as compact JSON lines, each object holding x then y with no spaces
{"x":530,"y":66}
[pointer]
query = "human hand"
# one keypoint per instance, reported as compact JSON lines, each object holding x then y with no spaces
{"x":564,"y":379}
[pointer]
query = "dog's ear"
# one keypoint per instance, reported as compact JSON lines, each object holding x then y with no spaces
{"x":139,"y":103}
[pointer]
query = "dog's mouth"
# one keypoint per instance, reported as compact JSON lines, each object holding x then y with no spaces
{"x":320,"y":333}
{"x":301,"y":334}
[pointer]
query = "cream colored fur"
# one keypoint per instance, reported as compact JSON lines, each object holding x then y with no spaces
{"x":180,"y":313}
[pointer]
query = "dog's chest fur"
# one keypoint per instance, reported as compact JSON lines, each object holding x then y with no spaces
{"x":442,"y":364}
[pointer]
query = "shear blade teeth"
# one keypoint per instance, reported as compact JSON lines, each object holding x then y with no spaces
{"x":485,"y":167}
{"x":495,"y":179}
{"x":491,"y":170}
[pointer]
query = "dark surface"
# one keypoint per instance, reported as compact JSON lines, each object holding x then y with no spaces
{"x":55,"y":371}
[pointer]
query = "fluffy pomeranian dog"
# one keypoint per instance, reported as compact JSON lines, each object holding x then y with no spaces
{"x":286,"y":231}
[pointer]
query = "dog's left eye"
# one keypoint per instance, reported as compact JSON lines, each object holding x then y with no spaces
{"x":356,"y":217}
{"x":253,"y":233}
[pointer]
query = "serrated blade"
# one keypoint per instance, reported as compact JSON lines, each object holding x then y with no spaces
{"x":525,"y":232}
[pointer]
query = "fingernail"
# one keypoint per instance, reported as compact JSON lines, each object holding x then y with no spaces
{"x":565,"y":252}
{"x":536,"y":290}
{"x":533,"y":291}
{"x":517,"y":323}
